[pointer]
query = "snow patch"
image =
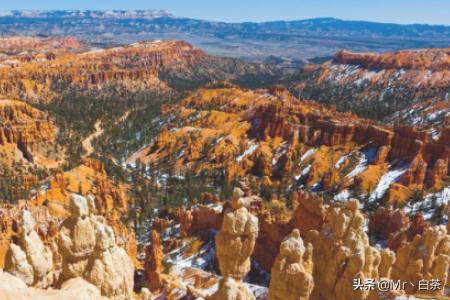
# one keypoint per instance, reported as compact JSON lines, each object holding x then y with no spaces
{"x":386,"y":180}
{"x":249,"y":151}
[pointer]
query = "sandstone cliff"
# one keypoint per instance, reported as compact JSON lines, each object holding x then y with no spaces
{"x":27,"y":144}
{"x":153,"y":66}
{"x":379,"y":85}
{"x":268,"y":133}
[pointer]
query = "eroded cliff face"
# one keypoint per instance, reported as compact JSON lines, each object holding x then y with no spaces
{"x":268,"y":133}
{"x":27,"y":145}
{"x":26,"y":47}
{"x":379,"y":85}
{"x":108,"y":198}
{"x":156,"y":67}
{"x":124,"y":69}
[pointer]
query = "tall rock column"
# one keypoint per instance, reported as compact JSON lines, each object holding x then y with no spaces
{"x":342,"y":253}
{"x":110,"y":268}
{"x":292,"y":270}
{"x":235,"y":243}
{"x":153,"y":261}
{"x":76,"y":238}
{"x":427,"y":257}
{"x":31,"y":260}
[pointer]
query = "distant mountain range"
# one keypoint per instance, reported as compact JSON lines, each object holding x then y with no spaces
{"x":100,"y":14}
{"x":304,"y":40}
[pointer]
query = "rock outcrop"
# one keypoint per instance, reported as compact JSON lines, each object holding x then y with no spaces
{"x":274,"y":136}
{"x":153,"y":261}
{"x":87,"y":251}
{"x":230,"y":289}
{"x":77,"y":239}
{"x":236,"y":239}
{"x":30,"y":260}
{"x":27,"y":144}
{"x":342,"y":253}
{"x":12,"y":288}
{"x":291,"y":276}
{"x":425,"y":257}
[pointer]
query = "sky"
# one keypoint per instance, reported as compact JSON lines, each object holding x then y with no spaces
{"x":392,"y":11}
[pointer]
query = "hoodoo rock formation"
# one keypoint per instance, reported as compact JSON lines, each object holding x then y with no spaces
{"x":153,"y":261}
{"x":89,"y":253}
{"x":236,"y":239}
{"x":274,"y":136}
{"x":110,"y":268}
{"x":77,"y":239}
{"x":30,"y":260}
{"x":342,"y":253}
{"x":235,"y":243}
{"x":426,"y":257}
{"x":291,"y":276}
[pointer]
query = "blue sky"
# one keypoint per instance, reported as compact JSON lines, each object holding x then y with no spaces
{"x":396,"y":11}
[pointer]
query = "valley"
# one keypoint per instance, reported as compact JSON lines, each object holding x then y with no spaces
{"x":153,"y":170}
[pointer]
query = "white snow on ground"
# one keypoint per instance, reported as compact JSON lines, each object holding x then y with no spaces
{"x":203,"y":259}
{"x":308,"y":154}
{"x":359,"y":168}
{"x":430,"y":203}
{"x":386,"y":180}
{"x":249,"y":151}
{"x":367,"y":157}
{"x":280,"y":151}
{"x":304,"y":172}
{"x":341,"y":161}
{"x":342,"y":196}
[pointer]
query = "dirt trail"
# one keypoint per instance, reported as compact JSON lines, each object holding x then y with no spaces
{"x":87,"y":142}
{"x":98,"y":131}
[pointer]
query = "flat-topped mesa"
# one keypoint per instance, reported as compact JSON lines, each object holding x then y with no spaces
{"x":291,"y":275}
{"x":236,"y":239}
{"x":432,"y":59}
{"x":28,"y":48}
{"x":131,"y":68}
{"x":403,"y":87}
